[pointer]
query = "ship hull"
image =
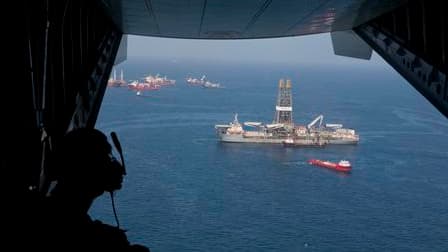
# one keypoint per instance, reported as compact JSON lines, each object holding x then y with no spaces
{"x":342,"y":141}
{"x":303,"y":143}
{"x":239,"y":138}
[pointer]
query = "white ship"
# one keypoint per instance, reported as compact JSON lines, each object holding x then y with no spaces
{"x":202,"y":82}
{"x":283,"y":134}
{"x":283,"y":130}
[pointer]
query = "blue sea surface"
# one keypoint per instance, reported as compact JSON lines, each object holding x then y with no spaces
{"x":186,"y":191}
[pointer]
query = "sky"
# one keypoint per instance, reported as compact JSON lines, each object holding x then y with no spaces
{"x":303,"y":49}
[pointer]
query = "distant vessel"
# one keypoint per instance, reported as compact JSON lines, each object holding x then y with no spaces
{"x":114,"y":82}
{"x":150,"y":83}
{"x":342,"y":166}
{"x":142,"y":86}
{"x":283,"y":131}
{"x":194,"y":81}
{"x":157,"y":80}
{"x":202,"y":82}
{"x":209,"y":84}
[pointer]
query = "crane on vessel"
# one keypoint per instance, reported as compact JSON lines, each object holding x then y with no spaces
{"x":319,"y":119}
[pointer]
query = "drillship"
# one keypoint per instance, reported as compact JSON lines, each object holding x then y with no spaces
{"x":283,"y":131}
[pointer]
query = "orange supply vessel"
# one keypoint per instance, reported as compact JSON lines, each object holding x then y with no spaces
{"x":342,"y":166}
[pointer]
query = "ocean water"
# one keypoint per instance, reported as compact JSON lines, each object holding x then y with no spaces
{"x":185,"y":191}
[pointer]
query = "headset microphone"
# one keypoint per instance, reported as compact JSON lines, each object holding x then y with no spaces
{"x":118,"y":147}
{"x":120,"y":151}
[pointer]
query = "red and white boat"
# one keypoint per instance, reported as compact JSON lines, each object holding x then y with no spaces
{"x":342,"y":166}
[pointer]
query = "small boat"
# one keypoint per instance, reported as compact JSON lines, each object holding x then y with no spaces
{"x":342,"y":166}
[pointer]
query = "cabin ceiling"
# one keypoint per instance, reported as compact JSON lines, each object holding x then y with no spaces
{"x":237,"y":19}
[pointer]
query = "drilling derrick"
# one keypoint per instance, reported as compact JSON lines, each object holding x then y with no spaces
{"x":283,"y":109}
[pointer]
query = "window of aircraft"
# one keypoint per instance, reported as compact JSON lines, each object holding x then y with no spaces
{"x":273,"y":145}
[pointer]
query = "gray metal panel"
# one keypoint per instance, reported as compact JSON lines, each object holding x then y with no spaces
{"x":425,"y":78}
{"x":228,"y":19}
{"x":138,"y":17}
{"x":232,"y":19}
{"x":179,"y":18}
{"x":281,"y":15}
{"x":122,"y":50}
{"x":347,"y":43}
